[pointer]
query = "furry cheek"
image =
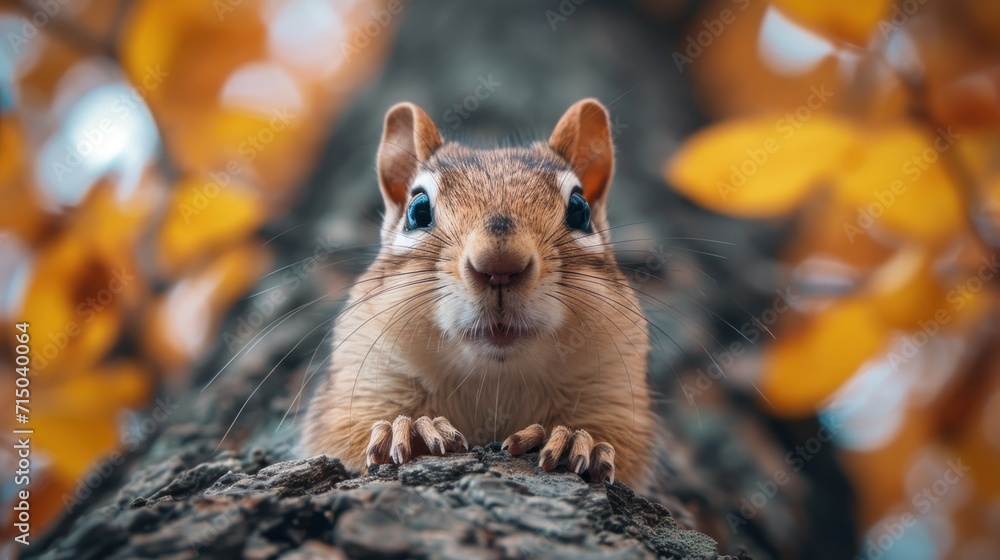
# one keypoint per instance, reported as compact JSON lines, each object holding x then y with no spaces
{"x":403,"y":241}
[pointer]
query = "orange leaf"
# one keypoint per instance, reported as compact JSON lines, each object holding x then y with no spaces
{"x":84,"y":283}
{"x":901,"y":181}
{"x":111,"y":225}
{"x":763,"y":166}
{"x":205,"y":217}
{"x":163,"y":40}
{"x":20,"y":211}
{"x":76,"y":419}
{"x":907,"y":292}
{"x":75,"y":302}
{"x":805,"y":366}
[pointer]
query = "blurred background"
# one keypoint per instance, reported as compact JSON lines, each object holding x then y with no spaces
{"x":806,"y":196}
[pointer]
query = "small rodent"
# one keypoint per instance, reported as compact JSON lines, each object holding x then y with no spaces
{"x":494,"y":309}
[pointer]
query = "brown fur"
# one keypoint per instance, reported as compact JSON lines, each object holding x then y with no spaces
{"x":585,"y":367}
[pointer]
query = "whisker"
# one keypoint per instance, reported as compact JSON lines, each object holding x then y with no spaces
{"x":309,"y":376}
{"x":657,"y":327}
{"x":291,"y":229}
{"x":628,"y":375}
{"x":636,"y":240}
{"x":460,"y":383}
{"x":350,"y":408}
{"x":600,"y":281}
{"x":663,"y":351}
{"x":403,"y":328}
{"x":311,"y":257}
{"x":264,"y":380}
{"x":260,"y":336}
{"x":312,"y":358}
{"x":287,"y":315}
{"x":597,"y":348}
{"x":580,"y":255}
{"x":276,"y":286}
{"x":731,"y":298}
{"x":479,"y":395}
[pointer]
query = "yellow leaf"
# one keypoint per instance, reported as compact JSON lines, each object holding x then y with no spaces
{"x":20,"y":211}
{"x":902,"y":184}
{"x":76,"y":418}
{"x":162,"y":41}
{"x":763,"y":166}
{"x":806,"y":365}
{"x":76,"y":302}
{"x":112,"y":225}
{"x":205,"y":216}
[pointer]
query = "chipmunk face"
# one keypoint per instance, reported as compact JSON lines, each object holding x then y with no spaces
{"x":493,"y":231}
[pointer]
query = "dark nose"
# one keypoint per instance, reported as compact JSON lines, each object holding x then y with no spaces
{"x":500,"y":270}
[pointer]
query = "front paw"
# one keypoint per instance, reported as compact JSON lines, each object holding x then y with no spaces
{"x":576,"y":450}
{"x":404,"y":439}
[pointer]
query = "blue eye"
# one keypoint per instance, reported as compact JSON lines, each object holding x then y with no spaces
{"x":578,"y":213}
{"x":419,"y":214}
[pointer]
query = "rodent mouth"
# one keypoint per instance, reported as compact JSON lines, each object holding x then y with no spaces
{"x":501,"y":335}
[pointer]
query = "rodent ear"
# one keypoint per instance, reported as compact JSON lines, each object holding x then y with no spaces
{"x":409,"y":138}
{"x":583,"y":138}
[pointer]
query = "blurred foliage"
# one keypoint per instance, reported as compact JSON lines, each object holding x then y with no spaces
{"x":875,"y":126}
{"x":142,"y":145}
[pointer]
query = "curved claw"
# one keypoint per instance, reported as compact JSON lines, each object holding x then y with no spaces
{"x":575,"y":450}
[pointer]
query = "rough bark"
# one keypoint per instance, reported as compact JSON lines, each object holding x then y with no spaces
{"x":481,"y":504}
